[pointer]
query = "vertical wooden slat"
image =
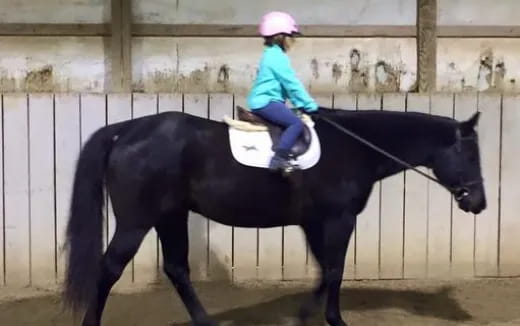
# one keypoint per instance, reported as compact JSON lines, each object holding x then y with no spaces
{"x":295,"y":254}
{"x":170,"y":102}
{"x":392,"y":210}
{"x":439,"y":208}
{"x":92,"y":114}
{"x":270,"y":251}
{"x":426,"y":45}
{"x":463,"y":224}
{"x":167,"y":102}
{"x":348,"y":102}
{"x":16,"y":178}
{"x":486,"y":223}
{"x":367,"y":234}
{"x":197,"y":104}
{"x":145,"y":260}
{"x":416,"y":207}
{"x":67,"y":143}
{"x":245,"y":241}
{"x":118,"y":109}
{"x":220,"y":236}
{"x":41,"y":177}
{"x":510,"y":179}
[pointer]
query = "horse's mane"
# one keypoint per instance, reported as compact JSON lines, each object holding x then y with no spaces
{"x":380,"y":114}
{"x":391,"y":123}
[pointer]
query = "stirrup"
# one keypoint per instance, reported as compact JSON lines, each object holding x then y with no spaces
{"x":286,"y":167}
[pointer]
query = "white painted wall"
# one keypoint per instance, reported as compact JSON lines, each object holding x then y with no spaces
{"x":478,"y":12}
{"x":355,"y":12}
{"x":54,"y":11}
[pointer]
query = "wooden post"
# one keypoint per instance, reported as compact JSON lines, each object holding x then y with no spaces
{"x":426,"y":45}
{"x":121,"y":46}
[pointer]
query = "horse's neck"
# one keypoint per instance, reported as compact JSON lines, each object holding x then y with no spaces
{"x":386,"y":166}
{"x":412,"y":139}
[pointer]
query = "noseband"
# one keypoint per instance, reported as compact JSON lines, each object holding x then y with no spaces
{"x":459,"y":191}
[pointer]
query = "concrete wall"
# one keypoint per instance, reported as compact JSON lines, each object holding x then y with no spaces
{"x":53,"y":63}
{"x":186,"y":65}
{"x":229,"y":64}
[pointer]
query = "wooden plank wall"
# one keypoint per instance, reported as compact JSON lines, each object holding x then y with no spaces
{"x":411,"y":227}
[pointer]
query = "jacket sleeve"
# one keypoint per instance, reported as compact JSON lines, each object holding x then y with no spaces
{"x":296,"y":92}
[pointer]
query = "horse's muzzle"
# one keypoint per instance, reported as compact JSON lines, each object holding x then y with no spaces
{"x":470,"y":201}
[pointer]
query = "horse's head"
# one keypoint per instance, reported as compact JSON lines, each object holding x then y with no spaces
{"x":457,"y":166}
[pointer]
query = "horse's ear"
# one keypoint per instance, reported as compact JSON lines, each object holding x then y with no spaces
{"x":468,"y":126}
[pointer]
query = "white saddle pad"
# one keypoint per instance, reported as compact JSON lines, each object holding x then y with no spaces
{"x":251,"y":145}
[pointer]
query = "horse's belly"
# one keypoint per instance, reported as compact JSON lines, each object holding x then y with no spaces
{"x":242,"y":211}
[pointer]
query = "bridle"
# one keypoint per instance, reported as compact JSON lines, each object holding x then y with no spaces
{"x":459,"y":191}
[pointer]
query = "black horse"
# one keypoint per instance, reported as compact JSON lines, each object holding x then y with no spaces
{"x":157,"y":168}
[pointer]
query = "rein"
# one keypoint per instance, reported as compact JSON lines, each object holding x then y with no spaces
{"x":460,"y":192}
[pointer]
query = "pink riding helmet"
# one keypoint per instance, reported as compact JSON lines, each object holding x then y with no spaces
{"x":277,"y":22}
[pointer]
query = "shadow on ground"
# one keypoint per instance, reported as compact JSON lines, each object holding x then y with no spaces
{"x":389,"y":303}
{"x":439,"y":305}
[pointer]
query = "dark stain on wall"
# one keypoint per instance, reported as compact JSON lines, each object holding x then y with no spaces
{"x":485,"y":70}
{"x":500,"y":74}
{"x":358,"y":74}
{"x":223,"y":77}
{"x":7,"y":83}
{"x":39,"y":80}
{"x":337,"y":71}
{"x":387,"y":77}
{"x":315,"y":68}
{"x":197,"y":81}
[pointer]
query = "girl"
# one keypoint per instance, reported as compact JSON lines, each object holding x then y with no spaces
{"x":276,"y":82}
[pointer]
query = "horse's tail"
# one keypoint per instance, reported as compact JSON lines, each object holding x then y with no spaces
{"x":84,"y":234}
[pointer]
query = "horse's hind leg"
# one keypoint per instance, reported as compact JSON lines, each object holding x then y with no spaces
{"x":173,"y":234}
{"x":120,"y":251}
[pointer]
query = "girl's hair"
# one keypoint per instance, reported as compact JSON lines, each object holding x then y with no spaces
{"x":277,"y":39}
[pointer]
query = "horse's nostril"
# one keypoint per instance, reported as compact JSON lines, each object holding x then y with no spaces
{"x":461,"y":194}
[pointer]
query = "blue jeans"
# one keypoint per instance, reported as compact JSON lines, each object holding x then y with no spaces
{"x":279,"y":114}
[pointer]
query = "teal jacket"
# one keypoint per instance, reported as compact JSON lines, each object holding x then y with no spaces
{"x":277,"y":81}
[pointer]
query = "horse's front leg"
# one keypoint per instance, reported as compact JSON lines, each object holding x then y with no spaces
{"x":328,"y":240}
{"x":337,"y":237}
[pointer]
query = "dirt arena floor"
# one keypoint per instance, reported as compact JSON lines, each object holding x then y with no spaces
{"x":472,"y":302}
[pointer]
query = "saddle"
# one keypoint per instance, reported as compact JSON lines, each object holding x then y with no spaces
{"x":275,"y":131}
